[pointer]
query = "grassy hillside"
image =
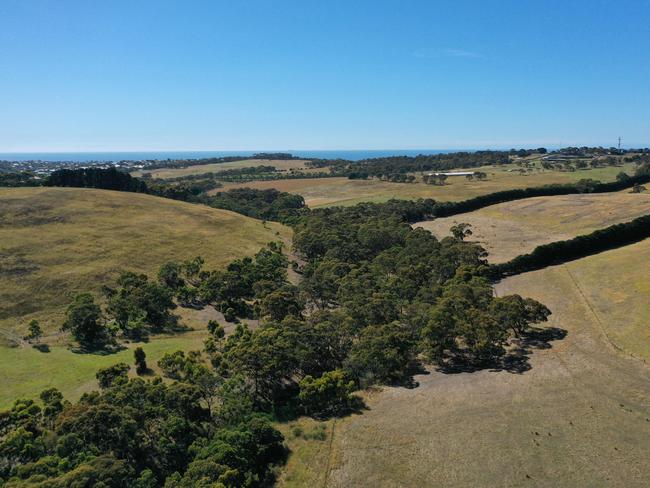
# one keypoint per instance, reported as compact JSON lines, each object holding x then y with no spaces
{"x":616,"y":287}
{"x":509,"y":229}
{"x":55,"y":242}
{"x":342,"y":191}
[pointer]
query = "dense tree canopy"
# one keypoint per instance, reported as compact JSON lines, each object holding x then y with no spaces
{"x":136,"y":433}
{"x":268,"y":204}
{"x":106,"y":178}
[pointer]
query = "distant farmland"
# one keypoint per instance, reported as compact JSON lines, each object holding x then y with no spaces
{"x":280,"y":164}
{"x":343,"y":191}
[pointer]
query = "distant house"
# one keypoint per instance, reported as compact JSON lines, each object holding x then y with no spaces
{"x":453,"y":173}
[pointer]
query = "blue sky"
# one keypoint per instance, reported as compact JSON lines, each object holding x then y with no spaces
{"x":227,"y":75}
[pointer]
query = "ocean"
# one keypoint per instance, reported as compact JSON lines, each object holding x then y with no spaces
{"x":78,"y":157}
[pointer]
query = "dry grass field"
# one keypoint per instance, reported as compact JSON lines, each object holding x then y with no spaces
{"x":55,"y":242}
{"x":342,"y":191}
{"x":616,"y":286}
{"x":280,"y":164}
{"x":509,"y":229}
{"x":579,"y":417}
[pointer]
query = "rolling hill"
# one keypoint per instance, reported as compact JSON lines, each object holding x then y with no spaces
{"x":55,"y":242}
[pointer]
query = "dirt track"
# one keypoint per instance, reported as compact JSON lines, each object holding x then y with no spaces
{"x":579,"y":417}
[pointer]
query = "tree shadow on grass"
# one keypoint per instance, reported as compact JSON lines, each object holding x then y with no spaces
{"x":41,"y":347}
{"x":415,"y":368}
{"x":98,"y":349}
{"x":356,"y":406}
{"x":516,"y":360}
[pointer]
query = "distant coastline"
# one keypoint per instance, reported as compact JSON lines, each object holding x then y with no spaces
{"x":78,"y":157}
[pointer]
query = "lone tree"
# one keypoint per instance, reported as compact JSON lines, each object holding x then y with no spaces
{"x":140,"y":361}
{"x":461,"y":231}
{"x":85,"y":321}
{"x":35,"y":331}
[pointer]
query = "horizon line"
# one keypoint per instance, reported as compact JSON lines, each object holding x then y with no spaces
{"x":458,"y":148}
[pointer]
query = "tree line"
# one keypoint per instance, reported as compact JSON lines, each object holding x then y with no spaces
{"x":396,"y":168}
{"x":268,"y":204}
{"x":446,"y":209}
{"x":611,"y":237}
{"x":273,"y":205}
{"x":20,"y":178}
{"x":103,"y":178}
{"x":184,"y":163}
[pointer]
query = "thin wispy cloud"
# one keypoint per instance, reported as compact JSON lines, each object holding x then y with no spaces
{"x":430,"y":53}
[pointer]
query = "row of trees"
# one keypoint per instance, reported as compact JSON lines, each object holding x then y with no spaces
{"x":445,"y":209}
{"x":249,"y":170}
{"x":392,"y":177}
{"x":184,"y":163}
{"x":104,"y":178}
{"x":268,"y":204}
{"x":559,"y":252}
{"x":441,"y":178}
